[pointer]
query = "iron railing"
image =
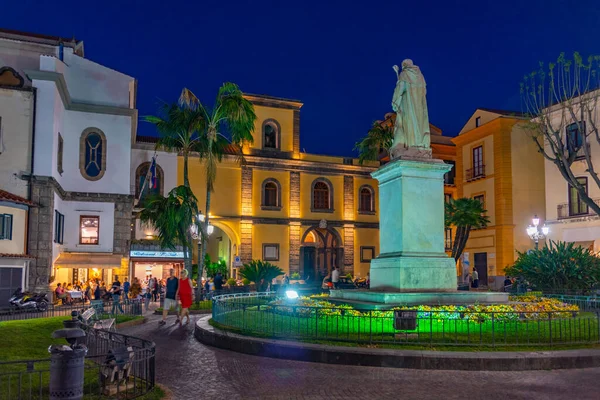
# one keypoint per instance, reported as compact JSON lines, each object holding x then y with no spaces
{"x":130,"y":307}
{"x":257,"y":315}
{"x":29,"y":379}
{"x":476,"y":172}
{"x":585,"y":303}
{"x":569,"y":210}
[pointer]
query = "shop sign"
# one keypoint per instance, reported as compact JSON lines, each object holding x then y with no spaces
{"x":156,"y":254}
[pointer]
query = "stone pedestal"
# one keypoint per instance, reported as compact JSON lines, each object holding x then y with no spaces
{"x":411,"y":228}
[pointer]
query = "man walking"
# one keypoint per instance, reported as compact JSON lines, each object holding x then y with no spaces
{"x":335,"y":277}
{"x":126,"y":286}
{"x":475,"y":278}
{"x":116,"y":296}
{"x":171,"y":294}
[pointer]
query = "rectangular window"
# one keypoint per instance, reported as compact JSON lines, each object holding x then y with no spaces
{"x":59,"y":227}
{"x":477,"y":122}
{"x":478,"y":169}
{"x":448,"y":239}
{"x":89,"y":229}
{"x":450,"y":175}
{"x":576,"y":205}
{"x":6,"y":224}
{"x":1,"y":138}
{"x":481,"y":199}
{"x":59,"y":156}
{"x":367,"y":253}
{"x":447,"y":197}
{"x":270,"y":252}
{"x":575,"y":138}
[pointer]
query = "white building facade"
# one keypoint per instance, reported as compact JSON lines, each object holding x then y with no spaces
{"x":569,"y":219}
{"x":85,"y":122}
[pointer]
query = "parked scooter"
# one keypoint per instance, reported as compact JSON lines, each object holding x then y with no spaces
{"x":28,"y":301}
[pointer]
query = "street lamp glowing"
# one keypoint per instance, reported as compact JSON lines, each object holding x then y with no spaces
{"x":535,"y":233}
{"x":201,"y":217}
{"x":291,"y":294}
{"x":210,"y":229}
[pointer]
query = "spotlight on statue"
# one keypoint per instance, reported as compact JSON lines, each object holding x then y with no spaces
{"x":291,"y":294}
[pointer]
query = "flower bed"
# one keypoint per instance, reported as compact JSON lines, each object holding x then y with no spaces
{"x":529,"y":307}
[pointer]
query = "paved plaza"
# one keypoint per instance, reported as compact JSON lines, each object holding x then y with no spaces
{"x":195,"y":371}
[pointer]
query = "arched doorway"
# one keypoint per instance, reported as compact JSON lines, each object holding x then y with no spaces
{"x":223,"y":244}
{"x":320,"y":251}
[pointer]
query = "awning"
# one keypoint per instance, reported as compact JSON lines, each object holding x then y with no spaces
{"x":88,"y":260}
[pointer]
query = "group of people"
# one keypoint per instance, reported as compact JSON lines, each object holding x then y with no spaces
{"x":178,"y":290}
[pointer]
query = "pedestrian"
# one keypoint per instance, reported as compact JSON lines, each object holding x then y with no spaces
{"x":150,"y":287}
{"x":97,"y":294}
{"x":475,"y":279}
{"x":116,"y":296}
{"x":185,"y":296}
{"x":172,"y":286}
{"x":335,"y":277}
{"x":126,"y":286}
{"x":218,"y":282}
{"x":207,"y":289}
{"x":147,"y":297}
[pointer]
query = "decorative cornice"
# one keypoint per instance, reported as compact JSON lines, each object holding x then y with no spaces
{"x":69,"y":104}
{"x":80,"y":196}
{"x":275,"y":102}
{"x":312,"y":167}
{"x":301,"y":221}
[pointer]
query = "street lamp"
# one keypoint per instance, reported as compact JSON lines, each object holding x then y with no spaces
{"x":534,"y":231}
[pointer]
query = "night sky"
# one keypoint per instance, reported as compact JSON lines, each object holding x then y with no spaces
{"x":335,"y":58}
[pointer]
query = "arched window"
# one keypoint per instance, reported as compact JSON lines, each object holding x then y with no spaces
{"x":366,"y":201}
{"x":271,"y":134}
{"x":92,"y":154}
{"x":322,"y":195}
{"x":271,"y":195}
{"x":153,"y":186}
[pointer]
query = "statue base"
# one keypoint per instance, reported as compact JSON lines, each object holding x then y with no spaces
{"x":411,"y":228}
{"x":399,"y":152}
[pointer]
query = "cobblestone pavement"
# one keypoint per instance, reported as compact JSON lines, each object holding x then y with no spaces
{"x":194,"y":371}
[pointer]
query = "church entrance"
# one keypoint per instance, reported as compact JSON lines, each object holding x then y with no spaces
{"x":320,"y":251}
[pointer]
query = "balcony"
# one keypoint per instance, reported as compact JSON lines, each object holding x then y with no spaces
{"x":475,"y":173}
{"x":567,"y":210}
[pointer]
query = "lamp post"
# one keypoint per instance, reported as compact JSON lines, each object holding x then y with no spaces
{"x":198,"y":233}
{"x":535,"y":232}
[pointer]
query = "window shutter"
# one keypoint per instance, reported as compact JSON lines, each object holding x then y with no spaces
{"x":1,"y":226}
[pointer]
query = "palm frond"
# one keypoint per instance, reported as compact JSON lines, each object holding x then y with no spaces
{"x":379,"y":137}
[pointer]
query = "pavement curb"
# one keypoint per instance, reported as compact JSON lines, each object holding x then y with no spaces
{"x":192,"y":312}
{"x":134,"y":322}
{"x":412,"y":359}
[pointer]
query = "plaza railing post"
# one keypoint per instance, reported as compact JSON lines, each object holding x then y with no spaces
{"x":316,"y":322}
{"x":493,"y":330}
{"x":550,"y":326}
{"x":430,"y":327}
{"x":370,"y":326}
{"x":67,"y":366}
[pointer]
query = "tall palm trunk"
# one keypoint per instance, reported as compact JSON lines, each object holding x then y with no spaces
{"x":204,"y":238}
{"x":187,"y":253}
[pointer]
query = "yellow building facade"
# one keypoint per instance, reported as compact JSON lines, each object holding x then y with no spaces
{"x":303,"y":212}
{"x":498,"y":164}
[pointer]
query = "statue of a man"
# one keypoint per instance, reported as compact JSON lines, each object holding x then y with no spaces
{"x":411,"y":131}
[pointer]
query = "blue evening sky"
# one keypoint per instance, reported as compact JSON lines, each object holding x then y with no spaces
{"x":334,"y":56}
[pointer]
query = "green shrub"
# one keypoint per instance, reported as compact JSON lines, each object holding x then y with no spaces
{"x":558,"y":266}
{"x":231,"y":282}
{"x":246,"y":281}
{"x":260,"y":272}
{"x":295,"y":276}
{"x":349,"y":275}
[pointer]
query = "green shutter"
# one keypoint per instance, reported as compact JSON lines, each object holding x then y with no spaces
{"x":1,"y":226}
{"x":8,"y":226}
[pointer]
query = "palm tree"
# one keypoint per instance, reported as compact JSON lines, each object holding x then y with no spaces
{"x":260,"y":272}
{"x":179,"y":127}
{"x":231,"y":112}
{"x":465,"y":214}
{"x":171,"y":216}
{"x":379,"y":138}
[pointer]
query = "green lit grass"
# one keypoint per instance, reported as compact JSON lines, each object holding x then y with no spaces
{"x":582,"y":331}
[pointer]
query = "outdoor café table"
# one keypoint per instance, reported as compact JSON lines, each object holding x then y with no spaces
{"x":75,"y":294}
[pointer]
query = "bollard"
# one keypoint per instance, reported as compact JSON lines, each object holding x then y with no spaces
{"x":67,"y":362}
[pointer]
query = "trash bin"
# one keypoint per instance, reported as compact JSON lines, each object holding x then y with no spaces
{"x":67,"y":364}
{"x":405,"y":320}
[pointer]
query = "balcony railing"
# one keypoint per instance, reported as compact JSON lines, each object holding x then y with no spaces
{"x":477,"y":172}
{"x":574,"y":210}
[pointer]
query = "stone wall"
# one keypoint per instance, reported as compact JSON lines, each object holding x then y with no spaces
{"x":41,"y":225}
{"x":39,"y":240}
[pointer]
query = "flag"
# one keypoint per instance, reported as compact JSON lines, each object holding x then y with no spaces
{"x":152,"y":183}
{"x":150,"y":178}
